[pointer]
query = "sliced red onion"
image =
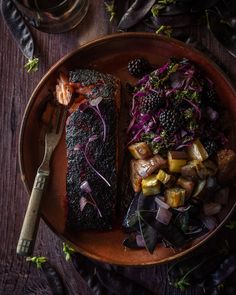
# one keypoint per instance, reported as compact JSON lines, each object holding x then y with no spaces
{"x":183,"y":133}
{"x":82,"y":203}
{"x":161,"y":203}
{"x":95,"y":102}
{"x":140,"y":241}
{"x":199,"y":187}
{"x":85,"y":187}
{"x":222,"y":196}
{"x":209,"y":222}
{"x":163,"y":215}
{"x":78,"y":147}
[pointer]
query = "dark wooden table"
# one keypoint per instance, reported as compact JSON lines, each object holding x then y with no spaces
{"x":16,"y":275}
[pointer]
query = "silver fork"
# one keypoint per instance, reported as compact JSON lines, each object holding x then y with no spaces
{"x":29,"y":228}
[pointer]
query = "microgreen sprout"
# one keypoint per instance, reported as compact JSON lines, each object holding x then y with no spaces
{"x":231,"y":225}
{"x":110,"y":8}
{"x":68,"y":251}
{"x":37,"y":260}
{"x":164,"y":30}
{"x":32,"y":65}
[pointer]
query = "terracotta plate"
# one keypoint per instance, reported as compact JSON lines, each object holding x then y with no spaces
{"x":110,"y":55}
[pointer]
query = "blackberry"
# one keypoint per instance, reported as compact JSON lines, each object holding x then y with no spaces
{"x":151,"y":102}
{"x":170,"y":120}
{"x":139,"y":67}
{"x":210,"y":146}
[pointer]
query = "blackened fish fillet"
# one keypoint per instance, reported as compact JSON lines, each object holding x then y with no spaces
{"x":82,"y":125}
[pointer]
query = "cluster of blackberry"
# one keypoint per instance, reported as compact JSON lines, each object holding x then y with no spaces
{"x":152,"y":102}
{"x":139,"y":67}
{"x":170,"y":120}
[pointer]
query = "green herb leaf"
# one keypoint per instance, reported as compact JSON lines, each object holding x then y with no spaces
{"x":67,"y":251}
{"x":37,"y":260}
{"x":161,"y":4}
{"x":183,"y":284}
{"x":32,"y":65}
{"x":164,"y":30}
{"x":231,"y":225}
{"x":110,"y":9}
{"x":188,"y":113}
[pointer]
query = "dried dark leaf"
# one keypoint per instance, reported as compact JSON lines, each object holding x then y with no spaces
{"x":177,"y":21}
{"x":18,"y":28}
{"x":224,"y":33}
{"x":137,"y":11}
{"x":149,"y":234}
{"x":201,"y":5}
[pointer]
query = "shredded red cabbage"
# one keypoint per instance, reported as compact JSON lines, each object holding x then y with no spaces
{"x":182,"y":87}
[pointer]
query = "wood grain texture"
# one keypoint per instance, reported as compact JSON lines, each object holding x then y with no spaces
{"x":16,"y":275}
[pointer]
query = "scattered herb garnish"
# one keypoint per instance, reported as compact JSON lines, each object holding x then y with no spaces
{"x":216,"y":15}
{"x":37,"y":260}
{"x":32,"y":65}
{"x":68,"y":251}
{"x":231,"y":225}
{"x":110,"y":8}
{"x":161,"y":4}
{"x":165,"y":30}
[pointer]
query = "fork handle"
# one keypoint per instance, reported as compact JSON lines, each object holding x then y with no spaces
{"x":29,"y":228}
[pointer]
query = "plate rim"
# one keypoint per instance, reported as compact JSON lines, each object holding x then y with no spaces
{"x":28,"y":107}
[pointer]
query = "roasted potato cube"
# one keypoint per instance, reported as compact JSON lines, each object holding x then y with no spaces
{"x":146,"y":168}
{"x":175,"y":197}
{"x":175,"y":165}
{"x":140,"y":150}
{"x":163,"y":177}
{"x":197,"y":151}
{"x":178,"y":155}
{"x":151,"y":186}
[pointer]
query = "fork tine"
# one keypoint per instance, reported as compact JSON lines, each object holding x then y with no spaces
{"x":59,"y":119}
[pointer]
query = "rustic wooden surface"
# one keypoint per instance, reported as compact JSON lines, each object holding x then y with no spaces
{"x":16,"y":275}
